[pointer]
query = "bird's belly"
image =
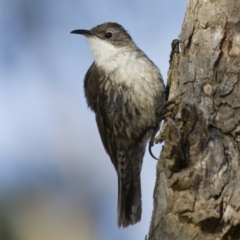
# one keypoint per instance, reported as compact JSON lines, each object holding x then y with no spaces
{"x":130,"y":111}
{"x":132,"y":92}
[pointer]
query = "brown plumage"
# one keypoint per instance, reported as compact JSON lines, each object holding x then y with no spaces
{"x":125,"y":90}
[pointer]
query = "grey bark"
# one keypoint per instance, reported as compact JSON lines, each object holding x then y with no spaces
{"x":197,"y":191}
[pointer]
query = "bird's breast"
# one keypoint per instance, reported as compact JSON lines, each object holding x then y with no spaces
{"x":134,"y":78}
{"x":132,"y":91}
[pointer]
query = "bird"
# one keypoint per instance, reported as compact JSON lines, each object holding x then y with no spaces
{"x":125,"y":90}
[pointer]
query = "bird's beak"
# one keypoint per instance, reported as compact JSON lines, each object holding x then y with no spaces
{"x":82,"y":31}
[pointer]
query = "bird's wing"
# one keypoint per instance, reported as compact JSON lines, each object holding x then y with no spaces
{"x":107,"y":136}
{"x":96,"y":100}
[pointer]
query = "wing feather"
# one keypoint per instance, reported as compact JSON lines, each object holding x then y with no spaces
{"x":95,"y":99}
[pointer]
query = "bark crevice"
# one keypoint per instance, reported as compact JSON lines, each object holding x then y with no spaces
{"x":197,"y":188}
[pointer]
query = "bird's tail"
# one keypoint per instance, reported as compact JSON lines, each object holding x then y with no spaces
{"x":129,"y":203}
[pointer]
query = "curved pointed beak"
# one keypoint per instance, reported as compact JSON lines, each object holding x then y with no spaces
{"x":82,"y":32}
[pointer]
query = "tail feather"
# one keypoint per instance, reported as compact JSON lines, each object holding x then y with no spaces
{"x":129,"y":204}
{"x":129,"y":164}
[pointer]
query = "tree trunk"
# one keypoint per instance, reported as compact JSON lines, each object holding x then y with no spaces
{"x":197,"y":192}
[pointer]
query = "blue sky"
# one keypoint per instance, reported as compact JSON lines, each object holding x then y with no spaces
{"x":49,"y":141}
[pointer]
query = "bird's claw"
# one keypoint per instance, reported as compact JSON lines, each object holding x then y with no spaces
{"x":151,"y":142}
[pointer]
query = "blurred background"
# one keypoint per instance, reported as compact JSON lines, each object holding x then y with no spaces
{"x":56,"y":181}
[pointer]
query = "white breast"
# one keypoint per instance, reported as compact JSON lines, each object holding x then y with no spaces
{"x":128,"y":66}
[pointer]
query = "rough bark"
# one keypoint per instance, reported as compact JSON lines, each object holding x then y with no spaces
{"x":197,"y":192}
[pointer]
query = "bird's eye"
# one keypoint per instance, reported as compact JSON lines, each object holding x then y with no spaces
{"x":108,"y":35}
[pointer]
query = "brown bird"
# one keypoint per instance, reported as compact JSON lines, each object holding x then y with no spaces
{"x":126,"y":91}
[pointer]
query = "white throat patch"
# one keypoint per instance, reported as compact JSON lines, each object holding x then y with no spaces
{"x":102,"y":50}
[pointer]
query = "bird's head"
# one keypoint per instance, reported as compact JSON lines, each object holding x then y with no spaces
{"x":106,"y":40}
